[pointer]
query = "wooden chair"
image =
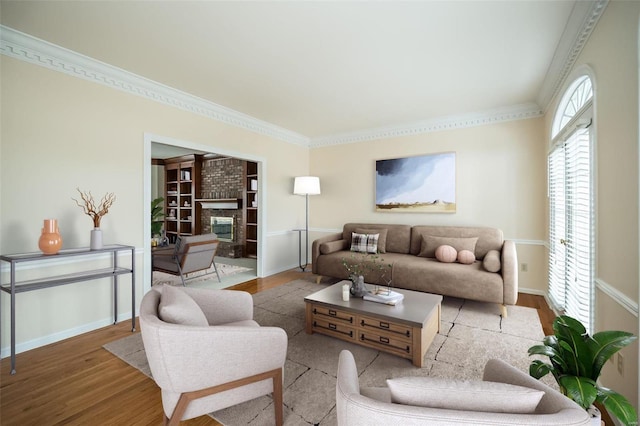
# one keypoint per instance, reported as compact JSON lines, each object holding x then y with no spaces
{"x":190,"y":254}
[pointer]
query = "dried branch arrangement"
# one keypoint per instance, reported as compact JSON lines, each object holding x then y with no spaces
{"x":89,"y":205}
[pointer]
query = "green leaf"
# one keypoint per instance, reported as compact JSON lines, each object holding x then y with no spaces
{"x":542,"y":350}
{"x":539,"y":369}
{"x":618,"y":406}
{"x":604,"y":344}
{"x":572,"y":337}
{"x":580,"y":389}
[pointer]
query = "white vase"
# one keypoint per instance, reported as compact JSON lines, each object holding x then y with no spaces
{"x":96,"y":239}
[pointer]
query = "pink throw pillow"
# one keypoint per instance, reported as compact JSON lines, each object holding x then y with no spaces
{"x":466,"y":257}
{"x":446,"y":254}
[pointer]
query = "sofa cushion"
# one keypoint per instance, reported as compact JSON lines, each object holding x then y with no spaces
{"x":491,"y":261}
{"x":488,"y":238}
{"x":430,"y":243}
{"x":382,"y":236}
{"x":466,"y":257}
{"x":448,"y":279}
{"x":446,"y":254}
{"x":177,"y":307}
{"x":398,"y":236}
{"x":464,"y":395}
{"x":364,"y":243}
{"x":333,"y":246}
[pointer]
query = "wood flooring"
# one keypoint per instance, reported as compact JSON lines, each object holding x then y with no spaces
{"x":77,"y":382}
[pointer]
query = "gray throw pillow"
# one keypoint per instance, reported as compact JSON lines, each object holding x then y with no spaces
{"x":177,"y":307}
{"x":333,"y":246}
{"x":465,"y":395}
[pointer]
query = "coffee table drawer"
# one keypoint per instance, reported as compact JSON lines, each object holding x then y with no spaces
{"x":333,"y":314}
{"x":386,"y":343}
{"x":333,"y":328}
{"x":398,"y":330}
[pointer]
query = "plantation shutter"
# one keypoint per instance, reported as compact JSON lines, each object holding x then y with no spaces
{"x":571,"y":244}
{"x":579,"y":247}
{"x":557,"y":233}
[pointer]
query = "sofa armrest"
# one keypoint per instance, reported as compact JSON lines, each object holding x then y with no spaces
{"x":315,"y":248}
{"x":510,"y":272}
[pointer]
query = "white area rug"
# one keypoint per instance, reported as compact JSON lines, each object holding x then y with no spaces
{"x":224,"y":270}
{"x":471,"y":333}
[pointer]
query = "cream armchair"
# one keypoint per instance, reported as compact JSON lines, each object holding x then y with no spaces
{"x":372,"y":406}
{"x":206,"y":353}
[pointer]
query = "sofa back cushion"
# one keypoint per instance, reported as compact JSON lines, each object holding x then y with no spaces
{"x":488,"y":238}
{"x":398,"y":236}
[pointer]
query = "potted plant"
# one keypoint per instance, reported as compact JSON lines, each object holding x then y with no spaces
{"x":157,"y":213}
{"x":576,"y":361}
{"x":358,"y":266}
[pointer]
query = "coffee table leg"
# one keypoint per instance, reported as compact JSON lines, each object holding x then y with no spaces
{"x":308,"y":318}
{"x":423,"y":337}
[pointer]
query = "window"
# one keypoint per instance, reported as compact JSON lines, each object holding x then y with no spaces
{"x":571,"y":212}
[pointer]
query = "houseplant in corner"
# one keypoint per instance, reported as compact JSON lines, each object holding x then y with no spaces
{"x":157,"y":214}
{"x":576,"y":361}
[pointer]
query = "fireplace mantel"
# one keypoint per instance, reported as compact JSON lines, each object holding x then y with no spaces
{"x":220,"y":203}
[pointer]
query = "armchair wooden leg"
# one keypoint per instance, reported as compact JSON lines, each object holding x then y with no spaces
{"x":277,"y":397}
{"x":318,"y":278}
{"x":187,"y":397}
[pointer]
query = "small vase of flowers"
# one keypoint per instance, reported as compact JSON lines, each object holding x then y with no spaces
{"x":95,"y":212}
{"x":358,"y":265}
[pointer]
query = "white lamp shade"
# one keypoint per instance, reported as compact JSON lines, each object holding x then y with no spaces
{"x":304,"y":185}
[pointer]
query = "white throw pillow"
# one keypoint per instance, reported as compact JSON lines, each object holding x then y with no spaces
{"x":464,"y":395}
{"x":177,"y":307}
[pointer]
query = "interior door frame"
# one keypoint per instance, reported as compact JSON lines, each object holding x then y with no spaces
{"x":148,"y":140}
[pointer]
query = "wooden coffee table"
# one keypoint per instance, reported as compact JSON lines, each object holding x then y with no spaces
{"x":406,"y":329}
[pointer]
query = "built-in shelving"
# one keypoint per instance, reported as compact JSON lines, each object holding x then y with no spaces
{"x":251,"y":209}
{"x":182,"y":183}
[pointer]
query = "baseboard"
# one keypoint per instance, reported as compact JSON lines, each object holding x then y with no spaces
{"x":61,"y":335}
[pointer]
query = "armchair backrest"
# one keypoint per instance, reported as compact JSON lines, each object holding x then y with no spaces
{"x":196,"y":252}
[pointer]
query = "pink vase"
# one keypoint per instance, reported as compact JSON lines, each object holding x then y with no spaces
{"x":50,"y":241}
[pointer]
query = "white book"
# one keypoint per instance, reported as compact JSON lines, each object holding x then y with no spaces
{"x":386,"y":299}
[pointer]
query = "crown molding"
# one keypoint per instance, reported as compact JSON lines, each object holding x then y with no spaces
{"x":30,"y":49}
{"x":516,"y":112}
{"x":582,"y":21}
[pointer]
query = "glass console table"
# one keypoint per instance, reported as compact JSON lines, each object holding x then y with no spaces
{"x":14,"y":287}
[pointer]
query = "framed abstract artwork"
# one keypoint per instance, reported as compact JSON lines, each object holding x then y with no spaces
{"x":421,"y":184}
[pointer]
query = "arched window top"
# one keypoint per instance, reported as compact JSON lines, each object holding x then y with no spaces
{"x":577,"y":96}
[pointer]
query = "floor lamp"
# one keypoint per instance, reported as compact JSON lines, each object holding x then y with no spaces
{"x":305,"y":185}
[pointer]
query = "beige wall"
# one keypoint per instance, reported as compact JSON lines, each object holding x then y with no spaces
{"x":611,"y":54}
{"x":60,"y":132}
{"x":500,"y":183}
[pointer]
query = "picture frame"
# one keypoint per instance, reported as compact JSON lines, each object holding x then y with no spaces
{"x":418,"y":184}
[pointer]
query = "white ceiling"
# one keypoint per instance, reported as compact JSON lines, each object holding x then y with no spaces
{"x":320,"y":68}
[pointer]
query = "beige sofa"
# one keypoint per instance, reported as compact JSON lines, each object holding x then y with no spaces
{"x":414,"y":268}
{"x":360,"y":406}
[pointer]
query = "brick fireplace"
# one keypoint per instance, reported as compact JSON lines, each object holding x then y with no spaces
{"x":222,"y":178}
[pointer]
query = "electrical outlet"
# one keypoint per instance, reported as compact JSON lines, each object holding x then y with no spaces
{"x":620,"y":364}
{"x":524,"y":267}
